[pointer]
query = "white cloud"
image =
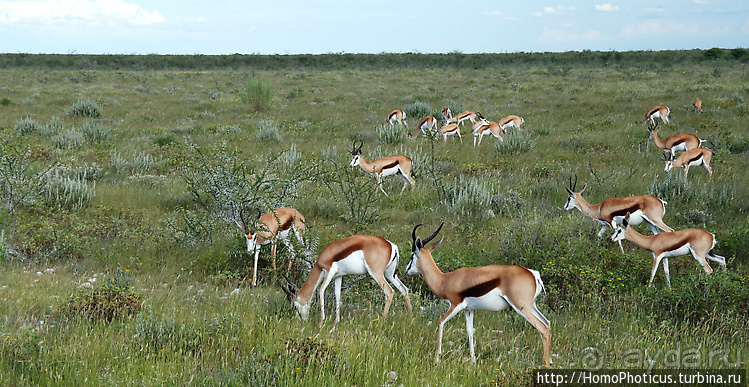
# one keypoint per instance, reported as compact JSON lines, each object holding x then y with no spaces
{"x":552,"y":11}
{"x":606,"y":7}
{"x":699,"y":2}
{"x":654,"y":10}
{"x":77,"y":10}
{"x":500,"y":14}
{"x":655,"y":28}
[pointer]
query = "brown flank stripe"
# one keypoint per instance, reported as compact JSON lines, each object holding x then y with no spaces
{"x":481,"y":289}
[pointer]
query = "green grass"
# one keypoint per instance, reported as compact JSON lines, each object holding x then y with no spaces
{"x":202,"y":323}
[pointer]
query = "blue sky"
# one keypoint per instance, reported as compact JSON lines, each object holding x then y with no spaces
{"x":353,"y":26}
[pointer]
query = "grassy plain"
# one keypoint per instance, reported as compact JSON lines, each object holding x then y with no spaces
{"x":200,"y":321}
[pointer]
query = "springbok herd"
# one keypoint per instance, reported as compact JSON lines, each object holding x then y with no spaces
{"x":493,"y":287}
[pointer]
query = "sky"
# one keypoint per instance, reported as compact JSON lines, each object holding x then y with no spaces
{"x":365,"y":26}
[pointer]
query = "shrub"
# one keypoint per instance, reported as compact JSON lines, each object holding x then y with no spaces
{"x":27,"y":125}
{"x":515,"y":141}
{"x":390,"y":134}
{"x":85,"y":108}
{"x":54,"y":126}
{"x":61,"y":190}
{"x":257,"y":93}
{"x":116,"y":298}
{"x":419,"y":110}
{"x":268,"y":132}
{"x":69,"y":139}
{"x":469,"y":196}
{"x":95,"y":132}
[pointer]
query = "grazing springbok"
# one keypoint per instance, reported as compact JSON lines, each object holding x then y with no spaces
{"x":611,"y":212}
{"x":655,"y":112}
{"x":398,"y":116}
{"x":427,"y":123}
{"x":697,"y":105}
{"x":467,"y":115}
{"x":354,"y":255}
{"x":269,"y":228}
{"x":697,"y":157}
{"x":511,"y":122}
{"x":696,"y":241}
{"x":678,"y":142}
{"x":484,"y":127}
{"x":450,"y":130}
{"x":491,"y":288}
{"x":391,"y":165}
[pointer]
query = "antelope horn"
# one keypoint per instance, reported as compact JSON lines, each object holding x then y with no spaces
{"x":433,"y":234}
{"x":416,"y":241}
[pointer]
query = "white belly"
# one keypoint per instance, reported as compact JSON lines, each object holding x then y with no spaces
{"x":635,"y":218}
{"x":353,"y":264}
{"x":492,"y":301}
{"x":390,"y":171}
{"x":683,"y":250}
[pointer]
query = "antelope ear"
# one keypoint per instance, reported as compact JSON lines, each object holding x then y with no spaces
{"x":434,"y":246}
{"x":625,"y":223}
{"x":584,"y":186}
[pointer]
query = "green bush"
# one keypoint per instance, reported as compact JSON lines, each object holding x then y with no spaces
{"x":268,"y":132}
{"x":64,"y":189}
{"x":116,"y":298}
{"x":95,"y":132}
{"x":85,"y":108}
{"x":419,"y":110}
{"x":257,"y":93}
{"x":391,"y":134}
{"x":515,"y":141}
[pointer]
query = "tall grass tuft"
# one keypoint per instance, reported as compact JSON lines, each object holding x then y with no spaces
{"x":391,"y":134}
{"x":61,"y":190}
{"x":85,"y":108}
{"x":72,"y":139}
{"x":95,"y":132}
{"x":27,"y":125}
{"x":470,"y":197}
{"x":268,"y":132}
{"x":257,"y":93}
{"x":515,"y":141}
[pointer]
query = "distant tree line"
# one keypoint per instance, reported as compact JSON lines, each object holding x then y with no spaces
{"x":332,"y":61}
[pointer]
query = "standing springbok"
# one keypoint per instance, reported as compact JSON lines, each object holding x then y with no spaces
{"x":696,"y":241}
{"x":450,"y":130}
{"x":447,"y":114}
{"x":484,"y":127}
{"x":354,"y":255}
{"x":611,"y":212}
{"x":391,"y":165}
{"x":655,"y":112}
{"x":398,"y":116}
{"x":466,"y":115}
{"x":492,"y":288}
{"x":269,"y":228}
{"x":678,"y":142}
{"x":697,"y":105}
{"x":697,"y":157}
{"x":426,"y":123}
{"x":511,"y":122}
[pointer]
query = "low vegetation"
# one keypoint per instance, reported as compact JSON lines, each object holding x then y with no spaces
{"x":121,"y":177}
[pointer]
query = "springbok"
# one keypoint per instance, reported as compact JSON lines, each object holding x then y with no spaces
{"x":390,"y":165}
{"x":611,"y":212}
{"x":696,"y":241}
{"x":697,"y":105}
{"x":484,"y":127}
{"x":426,"y":123}
{"x":511,"y":122}
{"x":398,"y":116}
{"x":354,"y":255}
{"x":450,"y":130}
{"x":467,"y":115}
{"x":655,"y":112}
{"x":269,"y":228}
{"x":492,"y":288}
{"x":697,"y":157}
{"x":674,"y":143}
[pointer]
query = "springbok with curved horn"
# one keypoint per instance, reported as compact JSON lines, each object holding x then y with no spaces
{"x":697,"y":157}
{"x":511,"y":122}
{"x":492,"y":288}
{"x":354,"y":255}
{"x":398,"y":116}
{"x":697,"y":105}
{"x":450,"y":130}
{"x":391,"y":165}
{"x":484,"y":127}
{"x":611,"y":212}
{"x":466,"y":115}
{"x":426,"y":123}
{"x":656,"y":112}
{"x":269,"y":228}
{"x":696,"y":241}
{"x":678,"y":142}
